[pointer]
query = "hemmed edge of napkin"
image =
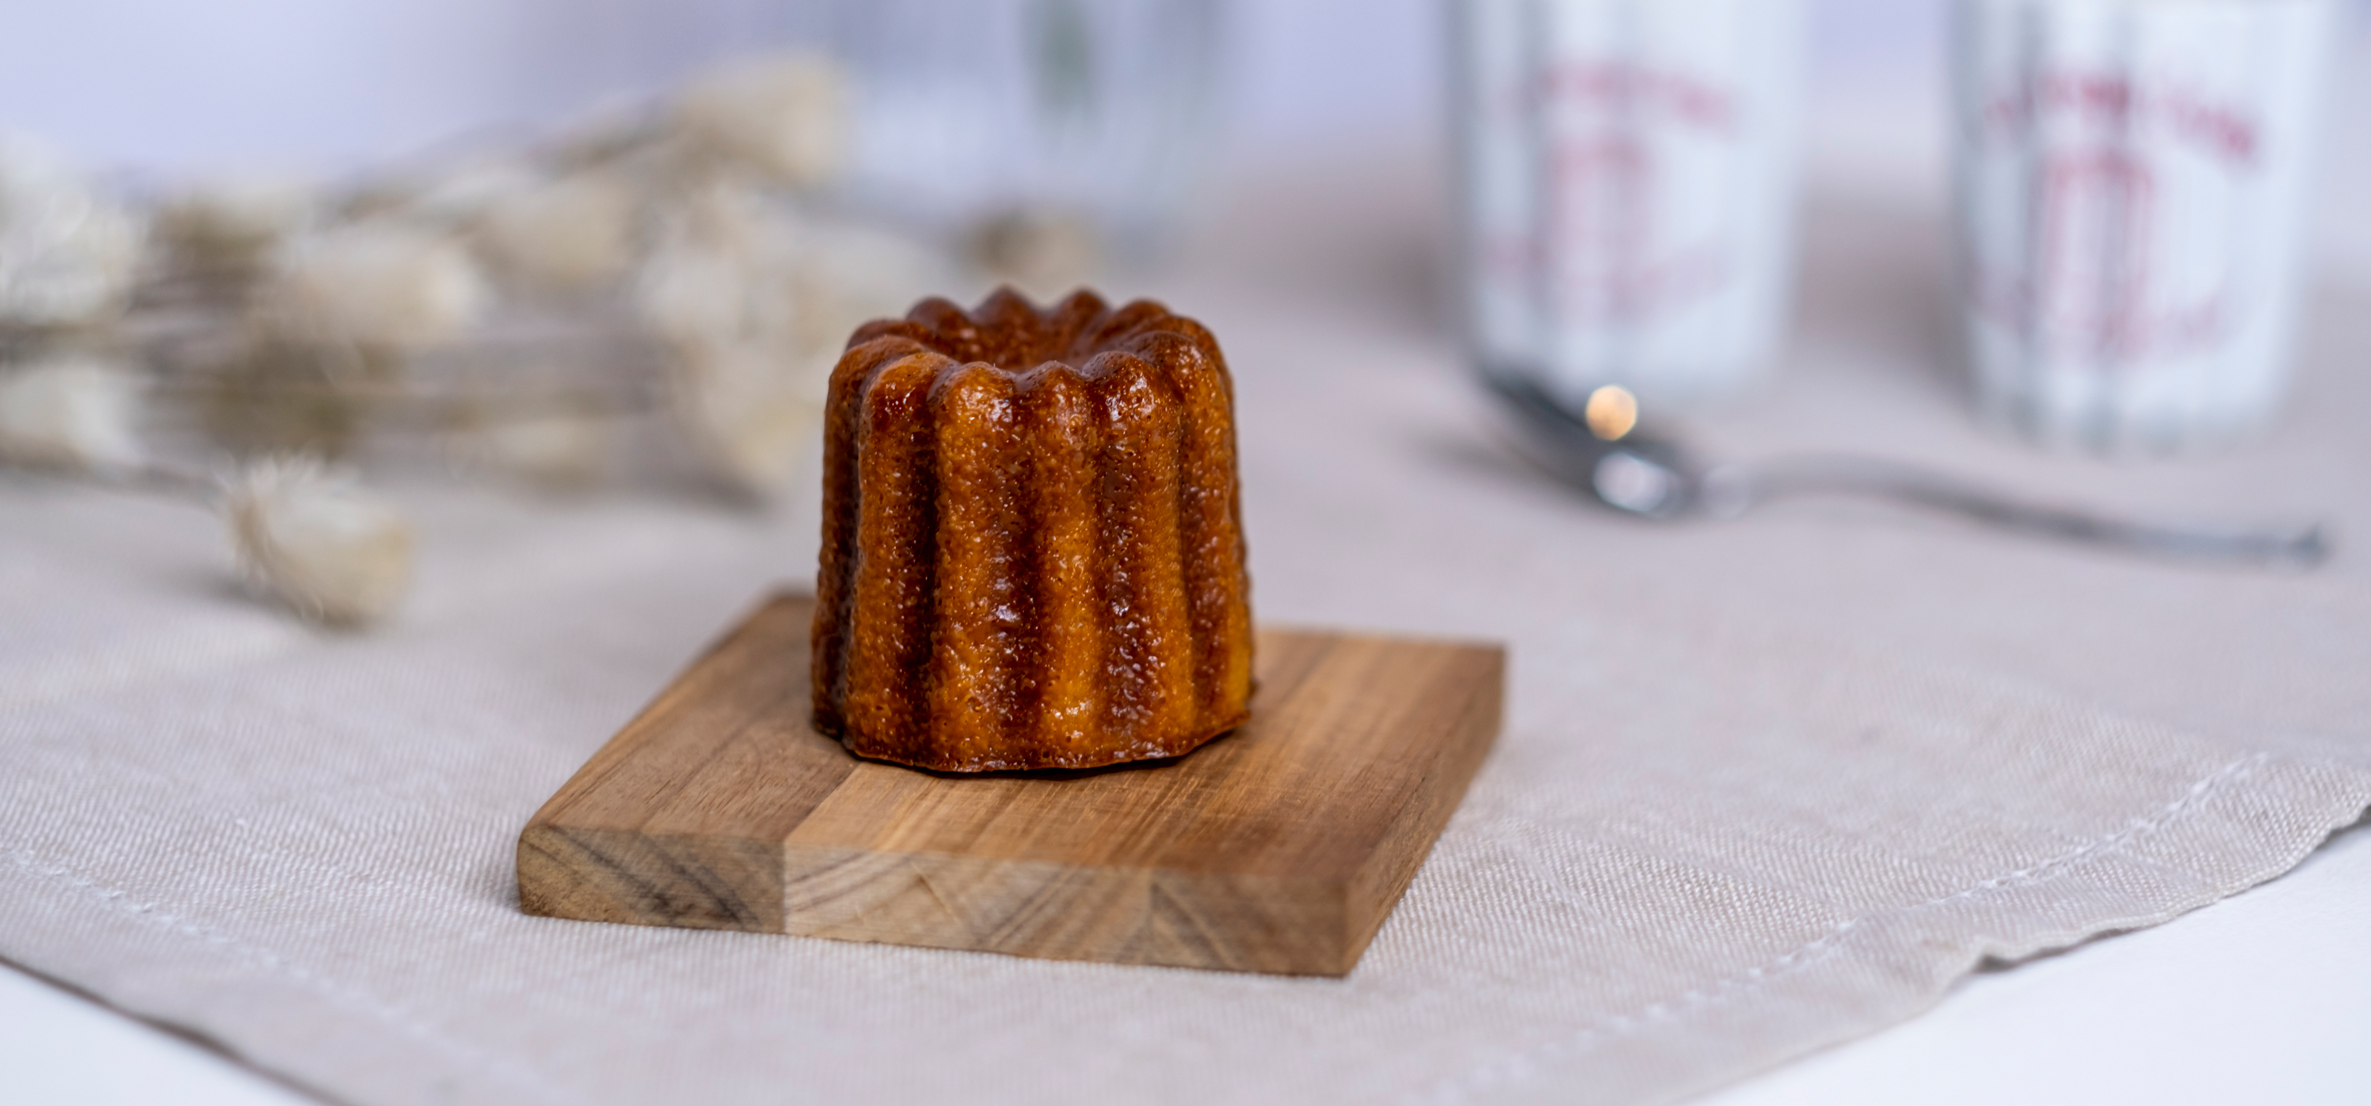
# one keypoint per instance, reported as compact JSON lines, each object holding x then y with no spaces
{"x":253,"y":1006}
{"x":2249,"y":822}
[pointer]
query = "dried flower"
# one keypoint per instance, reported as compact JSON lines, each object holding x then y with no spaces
{"x":781,"y":116}
{"x":690,"y":292}
{"x":381,"y":282}
{"x":614,"y":131}
{"x":270,"y":393}
{"x":557,"y":449}
{"x":73,"y":412}
{"x":735,"y":268}
{"x":569,"y":233}
{"x":1038,"y":250}
{"x":445,"y":197}
{"x":707,"y":277}
{"x":849,"y":273}
{"x":750,"y":421}
{"x":67,"y":255}
{"x":757,"y":306}
{"x":316,"y":540}
{"x":235,"y":222}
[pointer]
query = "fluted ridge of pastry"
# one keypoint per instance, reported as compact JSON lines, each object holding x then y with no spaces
{"x":1034,"y":518}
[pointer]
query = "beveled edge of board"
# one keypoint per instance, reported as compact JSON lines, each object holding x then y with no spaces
{"x":630,"y":865}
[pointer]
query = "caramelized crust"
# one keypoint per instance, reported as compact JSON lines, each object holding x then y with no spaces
{"x":1032,"y":539}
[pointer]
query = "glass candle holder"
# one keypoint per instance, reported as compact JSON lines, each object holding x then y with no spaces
{"x":970,"y":111}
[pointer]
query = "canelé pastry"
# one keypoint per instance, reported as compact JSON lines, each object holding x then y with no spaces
{"x":1032,"y":542}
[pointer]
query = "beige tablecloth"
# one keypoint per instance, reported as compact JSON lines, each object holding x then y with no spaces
{"x":1764,"y":786}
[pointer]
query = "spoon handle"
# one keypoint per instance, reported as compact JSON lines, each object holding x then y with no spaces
{"x":1655,"y":478}
{"x":1733,"y":488}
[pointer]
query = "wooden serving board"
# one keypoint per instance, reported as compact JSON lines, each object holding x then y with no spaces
{"x":1278,"y":848}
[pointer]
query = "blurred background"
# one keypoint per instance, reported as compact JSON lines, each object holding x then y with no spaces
{"x":287,"y":84}
{"x":167,"y":92}
{"x":172,"y":91}
{"x":320,"y":86}
{"x":619,"y":242}
{"x":282,"y":83}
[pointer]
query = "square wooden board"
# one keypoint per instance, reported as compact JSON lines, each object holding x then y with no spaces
{"x":1278,"y":848}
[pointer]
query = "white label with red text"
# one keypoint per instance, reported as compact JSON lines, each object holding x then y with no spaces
{"x":1628,"y":188}
{"x":2131,"y":179}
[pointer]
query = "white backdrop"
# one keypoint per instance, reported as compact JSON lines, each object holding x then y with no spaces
{"x":178,"y":86}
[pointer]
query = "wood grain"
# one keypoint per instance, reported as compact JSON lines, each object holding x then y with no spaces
{"x":1278,"y":848}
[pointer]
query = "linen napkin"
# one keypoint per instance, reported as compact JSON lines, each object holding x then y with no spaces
{"x":1764,"y":786}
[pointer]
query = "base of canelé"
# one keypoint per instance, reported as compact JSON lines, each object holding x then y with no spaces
{"x":1101,"y":757}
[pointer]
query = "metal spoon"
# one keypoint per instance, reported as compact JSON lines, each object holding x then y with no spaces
{"x":1601,"y":451}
